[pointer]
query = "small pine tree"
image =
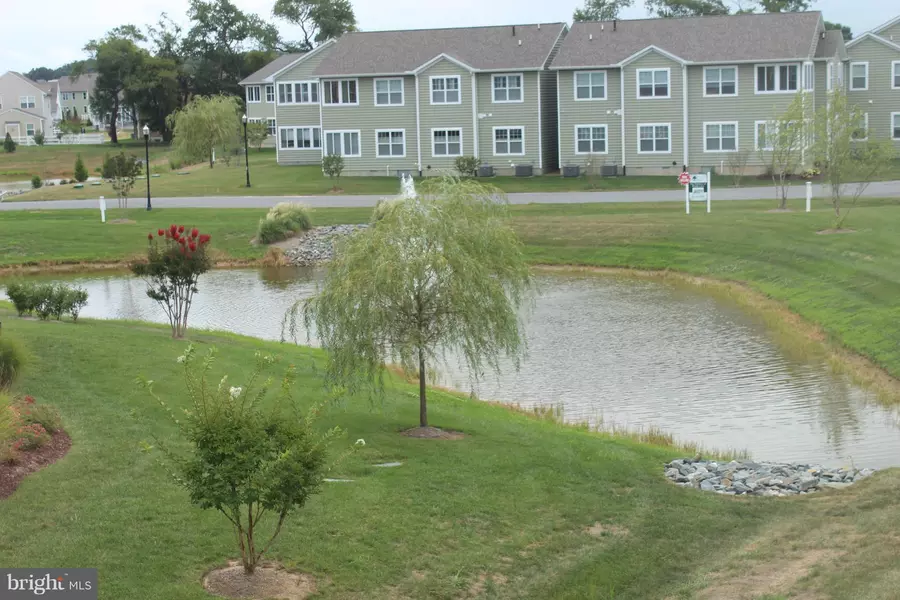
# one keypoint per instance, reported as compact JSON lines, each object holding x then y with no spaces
{"x":8,"y":144}
{"x":81,"y":173}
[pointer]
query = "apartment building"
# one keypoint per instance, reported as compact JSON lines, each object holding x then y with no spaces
{"x":872,"y":78}
{"x":26,"y":107}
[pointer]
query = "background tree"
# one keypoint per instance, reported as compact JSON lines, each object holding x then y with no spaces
{"x":775,"y":6}
{"x":81,"y":172}
{"x":845,"y":30}
{"x":685,"y":8}
{"x":154,"y":89}
{"x":319,"y":20}
{"x":257,"y":133}
{"x":333,"y":166}
{"x":442,"y":271}
{"x":781,"y":147}
{"x":9,"y":145}
{"x":850,"y":160}
{"x":205,"y":124}
{"x":121,"y":169}
{"x":600,"y":10}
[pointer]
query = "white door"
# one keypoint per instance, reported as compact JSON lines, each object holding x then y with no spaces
{"x":13,"y":130}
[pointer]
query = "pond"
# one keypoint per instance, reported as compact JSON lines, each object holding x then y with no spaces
{"x":629,"y":352}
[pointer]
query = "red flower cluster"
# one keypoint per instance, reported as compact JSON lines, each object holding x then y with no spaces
{"x":187,"y":242}
{"x":29,"y":399}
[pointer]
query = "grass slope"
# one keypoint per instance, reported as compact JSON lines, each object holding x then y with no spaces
{"x":58,"y":162}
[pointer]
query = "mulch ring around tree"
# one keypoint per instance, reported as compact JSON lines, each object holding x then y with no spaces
{"x":433,"y":433}
{"x":269,"y":580}
{"x":834,"y":231}
{"x":12,"y":474}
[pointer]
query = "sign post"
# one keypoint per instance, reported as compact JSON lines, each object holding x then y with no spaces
{"x":102,"y":209}
{"x":698,"y":190}
{"x":808,"y":196}
{"x":685,"y":180}
{"x":708,"y":193}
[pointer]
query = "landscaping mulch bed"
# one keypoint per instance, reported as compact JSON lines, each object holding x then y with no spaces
{"x":29,"y":462}
{"x":268,"y":581}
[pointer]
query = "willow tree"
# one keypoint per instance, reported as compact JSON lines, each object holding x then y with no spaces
{"x":439,"y":272}
{"x":205,"y":124}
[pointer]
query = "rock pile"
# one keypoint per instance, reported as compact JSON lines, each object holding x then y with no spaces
{"x":759,"y":478}
{"x":317,"y":244}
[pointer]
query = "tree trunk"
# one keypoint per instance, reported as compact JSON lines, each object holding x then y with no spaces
{"x":423,"y":408}
{"x":113,"y":127}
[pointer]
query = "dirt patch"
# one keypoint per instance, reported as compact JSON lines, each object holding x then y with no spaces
{"x":419,"y":575}
{"x":433,"y":433}
{"x":778,"y":576}
{"x":835,"y":231}
{"x":268,"y":582}
{"x":478,"y":586}
{"x":121,"y":222}
{"x":599,"y":529}
{"x":11,"y":475}
{"x":780,"y":210}
{"x":335,"y":191}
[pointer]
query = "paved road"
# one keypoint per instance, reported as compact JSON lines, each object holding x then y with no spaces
{"x":877,"y":189}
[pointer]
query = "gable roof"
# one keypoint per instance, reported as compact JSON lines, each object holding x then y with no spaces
{"x":493,"y":48}
{"x":871,"y":36}
{"x":26,"y":80}
{"x":13,"y":109}
{"x":831,"y":44}
{"x":887,"y":25}
{"x":274,"y":66}
{"x":83,"y":83}
{"x":709,"y":39}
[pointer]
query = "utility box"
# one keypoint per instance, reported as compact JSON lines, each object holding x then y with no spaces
{"x":609,"y":171}
{"x":572,"y":171}
{"x":524,"y":170}
{"x":485,"y":171}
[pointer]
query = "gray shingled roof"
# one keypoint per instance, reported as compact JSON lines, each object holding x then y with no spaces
{"x":768,"y":36}
{"x":279,"y":63}
{"x":831,"y":44}
{"x":84,"y":83}
{"x":482,"y":48}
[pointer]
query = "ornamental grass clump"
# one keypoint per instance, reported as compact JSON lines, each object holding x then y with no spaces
{"x":284,"y":220}
{"x":12,"y":361}
{"x":25,"y":426}
{"x":176,"y":257}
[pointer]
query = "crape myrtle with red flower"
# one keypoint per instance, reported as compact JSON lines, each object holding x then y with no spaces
{"x":176,"y":257}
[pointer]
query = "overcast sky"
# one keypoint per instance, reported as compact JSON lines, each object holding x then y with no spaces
{"x":57,"y":34}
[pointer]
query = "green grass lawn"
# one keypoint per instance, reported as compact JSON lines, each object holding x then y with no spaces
{"x":520,"y":508}
{"x":58,"y":162}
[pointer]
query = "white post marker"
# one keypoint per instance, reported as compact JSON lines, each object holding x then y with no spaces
{"x":708,"y":193}
{"x":808,"y":196}
{"x":685,"y":180}
{"x":102,"y":209}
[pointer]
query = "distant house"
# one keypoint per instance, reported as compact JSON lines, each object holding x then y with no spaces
{"x":26,"y":107}
{"x":75,"y":96}
{"x":260,"y":95}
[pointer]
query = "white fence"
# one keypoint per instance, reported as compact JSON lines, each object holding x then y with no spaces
{"x":69,"y":139}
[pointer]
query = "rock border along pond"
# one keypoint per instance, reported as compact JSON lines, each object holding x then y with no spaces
{"x":748,"y":477}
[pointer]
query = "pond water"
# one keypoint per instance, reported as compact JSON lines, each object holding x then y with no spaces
{"x":631,"y":352}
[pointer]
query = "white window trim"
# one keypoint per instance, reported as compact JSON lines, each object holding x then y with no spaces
{"x":375,"y":93}
{"x":756,"y":125}
{"x":494,"y":140}
{"x":895,"y":74}
{"x":389,"y":156}
{"x":27,"y":125}
{"x":325,"y":82}
{"x":637,"y":84}
{"x":342,"y":132}
{"x":737,"y":79}
{"x":271,"y":124}
{"x":297,"y":147}
{"x":866,"y":126}
{"x":654,"y":125}
{"x":829,"y":76}
{"x":864,"y":63}
{"x":895,"y":115}
{"x":737,"y":137}
{"x":777,"y":89}
{"x":28,"y":100}
{"x":462,"y":148}
{"x":575,"y":87}
{"x":270,"y":86}
{"x":278,"y":141}
{"x":431,"y":90}
{"x":521,"y":77}
{"x":294,"y":95}
{"x":606,"y":135}
{"x":258,"y":94}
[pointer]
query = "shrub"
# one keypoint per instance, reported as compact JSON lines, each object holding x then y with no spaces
{"x":121,"y":169}
{"x":8,"y":144}
{"x":47,"y":300}
{"x":36,"y":182}
{"x":383,"y":207}
{"x":22,"y":297}
{"x":12,"y":361}
{"x":283,"y":220}
{"x":81,"y":173}
{"x":64,"y":181}
{"x":9,"y":422}
{"x":39,"y":138}
{"x":39,"y":414}
{"x":467,"y":166}
{"x":245,"y":460}
{"x":76,"y":299}
{"x":175,"y":163}
{"x":333,"y":166}
{"x":30,"y":437}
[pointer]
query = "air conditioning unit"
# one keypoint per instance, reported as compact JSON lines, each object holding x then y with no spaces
{"x":524,"y":170}
{"x":572,"y":171}
{"x":485,"y":171}
{"x":609,"y":171}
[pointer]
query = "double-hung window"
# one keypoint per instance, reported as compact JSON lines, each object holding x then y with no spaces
{"x":29,"y":129}
{"x":654,"y":138}
{"x":859,"y":76}
{"x":270,"y":125}
{"x":895,"y":75}
{"x":775,"y":79}
{"x":389,"y":92}
{"x":298,"y":92}
{"x":590,"y":85}
{"x":509,"y":141}
{"x":720,"y":81}
{"x":299,"y":138}
{"x":508,"y":88}
{"x":340,"y":91}
{"x":446,"y":142}
{"x":653,"y":83}
{"x":895,"y":125}
{"x":252,"y":94}
{"x":390,"y":143}
{"x":720,"y":137}
{"x":590,"y":139}
{"x":765,"y":135}
{"x":270,"y":93}
{"x":342,"y":143}
{"x":285,"y":93}
{"x":445,"y":90}
{"x":26,"y":102}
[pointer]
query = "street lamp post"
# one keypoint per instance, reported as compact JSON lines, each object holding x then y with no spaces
{"x":246,"y":152}
{"x":147,"y":161}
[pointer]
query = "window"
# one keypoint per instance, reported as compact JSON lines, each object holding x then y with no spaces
{"x":720,"y":81}
{"x":509,"y":141}
{"x":445,"y":90}
{"x":829,"y":76}
{"x":85,"y":109}
{"x":764,"y":135}
{"x":861,"y":133}
{"x":895,"y":125}
{"x":809,"y":77}
{"x":341,"y":91}
{"x":26,"y":101}
{"x":590,"y":85}
{"x":85,"y":95}
{"x":446,"y":142}
{"x":270,"y":124}
{"x":507,"y":88}
{"x":285,"y":93}
{"x":654,"y":138}
{"x":270,"y":93}
{"x":776,"y":79}
{"x":29,"y":129}
{"x":300,"y":138}
{"x":720,"y":137}
{"x":390,"y":143}
{"x":253,"y":93}
{"x":342,"y":143}
{"x":590,"y":139}
{"x":64,"y":96}
{"x":298,"y":92}
{"x":653,"y":83}
{"x":859,"y":76}
{"x":895,"y":74}
{"x":389,"y":92}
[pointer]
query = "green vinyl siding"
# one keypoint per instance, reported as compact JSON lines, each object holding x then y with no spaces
{"x":654,"y":110}
{"x":263,"y":111}
{"x":892,"y":33}
{"x":445,"y":116}
{"x":589,"y":112}
{"x":514,"y":114}
{"x":369,"y":117}
{"x":880,"y":100}
{"x":299,"y":115}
